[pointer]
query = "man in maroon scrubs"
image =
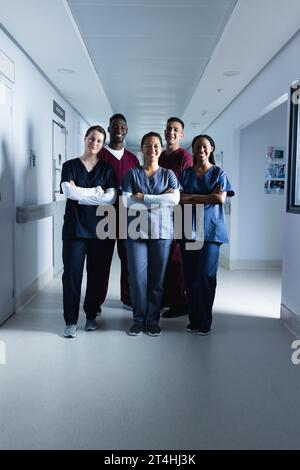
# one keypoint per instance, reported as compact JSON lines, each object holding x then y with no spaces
{"x":121,"y":160}
{"x":177,"y":159}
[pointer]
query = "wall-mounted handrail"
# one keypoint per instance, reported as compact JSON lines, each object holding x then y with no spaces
{"x":36,"y":212}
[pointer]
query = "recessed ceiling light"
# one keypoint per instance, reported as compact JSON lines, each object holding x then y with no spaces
{"x":231,"y":73}
{"x":66,"y":71}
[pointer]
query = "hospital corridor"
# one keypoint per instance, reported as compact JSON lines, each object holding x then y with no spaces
{"x":149,"y":225}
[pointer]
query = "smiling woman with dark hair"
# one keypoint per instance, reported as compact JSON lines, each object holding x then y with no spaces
{"x":204,"y":183}
{"x":153,"y":191}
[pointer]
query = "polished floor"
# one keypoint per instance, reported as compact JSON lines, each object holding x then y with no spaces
{"x":235,"y":389}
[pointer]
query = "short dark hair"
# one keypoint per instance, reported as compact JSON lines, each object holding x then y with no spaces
{"x":177,"y":120}
{"x":151,"y":134}
{"x":96,"y":128}
{"x":117,"y":116}
{"x":212,"y":143}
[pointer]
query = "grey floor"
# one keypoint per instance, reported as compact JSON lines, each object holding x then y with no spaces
{"x":236,"y":389}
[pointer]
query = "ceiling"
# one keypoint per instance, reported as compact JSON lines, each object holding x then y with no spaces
{"x":150,"y":54}
{"x":150,"y":59}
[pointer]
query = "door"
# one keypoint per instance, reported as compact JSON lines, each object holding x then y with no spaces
{"x":59,"y":146}
{"x":7,"y":207}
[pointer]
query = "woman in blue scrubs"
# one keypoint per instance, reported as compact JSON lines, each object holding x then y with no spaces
{"x":204,"y":183}
{"x":86,"y":183}
{"x":149,"y":191}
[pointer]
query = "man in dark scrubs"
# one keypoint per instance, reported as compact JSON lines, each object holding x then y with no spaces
{"x":121,"y":160}
{"x":177,"y":159}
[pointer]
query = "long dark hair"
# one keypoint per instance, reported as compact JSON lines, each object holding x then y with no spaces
{"x":212,"y":143}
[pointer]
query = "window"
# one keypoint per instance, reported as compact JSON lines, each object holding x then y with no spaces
{"x":293,"y":201}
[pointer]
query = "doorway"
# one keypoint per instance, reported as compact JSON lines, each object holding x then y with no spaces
{"x":59,"y":152}
{"x":7,"y":206}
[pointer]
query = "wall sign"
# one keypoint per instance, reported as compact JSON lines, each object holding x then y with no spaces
{"x":59,"y":111}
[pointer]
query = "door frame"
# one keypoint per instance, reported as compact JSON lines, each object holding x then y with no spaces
{"x":8,"y":85}
{"x":60,"y":199}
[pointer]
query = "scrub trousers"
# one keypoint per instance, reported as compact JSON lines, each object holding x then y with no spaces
{"x":200,"y":275}
{"x":124,"y":286}
{"x":98,"y":255}
{"x":174,"y":295}
{"x":147,"y":263}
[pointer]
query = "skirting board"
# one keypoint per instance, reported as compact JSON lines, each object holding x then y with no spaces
{"x":290,"y":320}
{"x":33,"y":289}
{"x":249,"y":264}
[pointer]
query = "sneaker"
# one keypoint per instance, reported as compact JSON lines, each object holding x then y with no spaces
{"x":70,"y":331}
{"x":90,"y":325}
{"x":204,"y":333}
{"x":190,"y":328}
{"x":154,"y":330}
{"x":174,"y":312}
{"x":135,"y":330}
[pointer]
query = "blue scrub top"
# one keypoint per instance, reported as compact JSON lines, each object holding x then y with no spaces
{"x":160,"y":219}
{"x":80,"y":220}
{"x":214,"y":217}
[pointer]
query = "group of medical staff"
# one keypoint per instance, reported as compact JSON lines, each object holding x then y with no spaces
{"x":157,"y":269}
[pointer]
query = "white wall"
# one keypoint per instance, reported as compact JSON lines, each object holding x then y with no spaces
{"x":266,"y":91}
{"x":261,"y":216}
{"x":33,"y":99}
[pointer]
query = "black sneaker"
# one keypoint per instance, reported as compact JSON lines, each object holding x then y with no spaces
{"x":174,"y":312}
{"x":135,"y":330}
{"x":204,"y":332}
{"x":190,"y":328}
{"x":154,"y":330}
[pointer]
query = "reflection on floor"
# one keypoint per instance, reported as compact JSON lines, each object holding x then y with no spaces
{"x":235,"y":389}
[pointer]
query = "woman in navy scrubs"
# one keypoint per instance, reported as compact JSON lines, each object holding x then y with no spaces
{"x":152,"y":191}
{"x":86,"y":183}
{"x":204,"y":183}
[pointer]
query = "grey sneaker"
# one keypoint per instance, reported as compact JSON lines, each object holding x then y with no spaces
{"x":90,"y":325}
{"x":70,"y":331}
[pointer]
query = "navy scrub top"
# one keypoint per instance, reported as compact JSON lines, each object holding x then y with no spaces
{"x":137,"y":181}
{"x":214,"y":217}
{"x":80,"y":221}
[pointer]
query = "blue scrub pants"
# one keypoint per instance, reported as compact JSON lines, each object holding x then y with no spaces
{"x":200,"y":276}
{"x":147,"y":263}
{"x":98,"y":255}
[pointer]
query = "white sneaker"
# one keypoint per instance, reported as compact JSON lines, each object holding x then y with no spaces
{"x":70,"y":331}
